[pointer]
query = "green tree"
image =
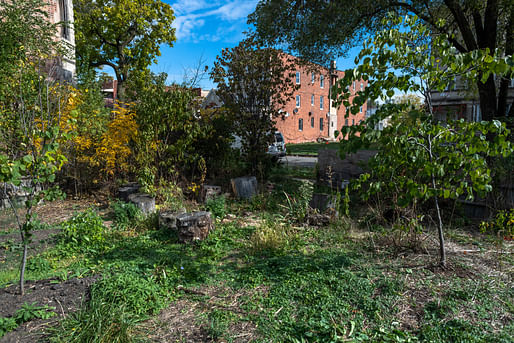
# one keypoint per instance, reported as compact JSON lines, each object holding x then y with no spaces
{"x":419,"y":158}
{"x":30,"y":112}
{"x":166,"y":117}
{"x":123,"y":34}
{"x":319,"y":30}
{"x":254,"y":83}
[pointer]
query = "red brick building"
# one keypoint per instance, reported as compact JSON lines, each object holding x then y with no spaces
{"x":310,"y":115}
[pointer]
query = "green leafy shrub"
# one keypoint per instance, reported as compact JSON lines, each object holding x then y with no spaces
{"x":6,"y":325}
{"x":217,"y":206}
{"x":297,"y":203}
{"x":501,"y":226}
{"x":26,"y":313}
{"x":84,"y":228}
{"x":38,"y":264}
{"x":125,"y":213}
{"x":137,"y":293}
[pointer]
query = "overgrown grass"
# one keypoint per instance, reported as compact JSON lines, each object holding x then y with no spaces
{"x":310,"y":149}
{"x":293,"y":284}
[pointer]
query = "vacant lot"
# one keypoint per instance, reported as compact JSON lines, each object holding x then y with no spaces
{"x":262,"y":276}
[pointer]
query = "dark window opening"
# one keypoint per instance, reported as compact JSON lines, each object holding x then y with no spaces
{"x":65,"y":29}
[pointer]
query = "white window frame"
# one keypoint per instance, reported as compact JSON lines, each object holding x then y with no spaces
{"x":298,"y":78}
{"x":312,"y":100}
{"x":321,"y":81}
{"x":300,"y":124}
{"x":313,"y":77}
{"x":298,"y":101}
{"x":321,"y":102}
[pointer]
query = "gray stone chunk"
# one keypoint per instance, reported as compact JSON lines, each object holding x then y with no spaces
{"x":194,"y":226}
{"x":210,"y":192}
{"x":321,"y":201}
{"x":168,"y":219}
{"x":145,"y":202}
{"x":244,"y":187}
{"x":128,"y":189}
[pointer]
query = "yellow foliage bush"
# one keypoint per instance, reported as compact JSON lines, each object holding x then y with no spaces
{"x":114,"y":151}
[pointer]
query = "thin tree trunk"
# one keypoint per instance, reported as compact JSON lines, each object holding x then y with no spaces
{"x":442,"y":252}
{"x":23,"y":263}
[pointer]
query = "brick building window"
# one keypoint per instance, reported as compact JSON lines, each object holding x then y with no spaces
{"x":353,"y":121}
{"x":321,"y":81}
{"x":300,"y":124}
{"x":297,"y":101}
{"x":312,"y":100}
{"x":346,"y":122}
{"x":297,"y":77}
{"x":65,"y":18}
{"x":313,"y":77}
{"x":360,"y":109}
{"x":321,"y":124}
{"x":312,"y":121}
{"x":321,"y":102}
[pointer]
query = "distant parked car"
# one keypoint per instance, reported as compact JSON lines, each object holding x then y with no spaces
{"x":278,"y":147}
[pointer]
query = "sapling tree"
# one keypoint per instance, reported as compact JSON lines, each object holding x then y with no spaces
{"x":254,"y":82}
{"x":421,"y":159}
{"x":30,"y":113}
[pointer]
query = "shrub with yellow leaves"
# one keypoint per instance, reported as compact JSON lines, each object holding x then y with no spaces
{"x":113,"y":152}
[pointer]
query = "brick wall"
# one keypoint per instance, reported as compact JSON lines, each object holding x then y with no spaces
{"x":310,"y":112}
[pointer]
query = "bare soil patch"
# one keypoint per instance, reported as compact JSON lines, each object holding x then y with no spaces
{"x":65,"y":297}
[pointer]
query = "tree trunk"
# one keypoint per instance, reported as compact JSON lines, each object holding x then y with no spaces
{"x":502,"y":97}
{"x":120,"y":90}
{"x":23,"y":263}
{"x":487,"y":94}
{"x":442,"y":252}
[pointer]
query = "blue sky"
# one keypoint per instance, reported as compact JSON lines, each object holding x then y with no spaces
{"x":203,"y":29}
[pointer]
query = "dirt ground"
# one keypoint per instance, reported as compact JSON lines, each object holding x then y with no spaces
{"x":63,"y":297}
{"x":184,"y":320}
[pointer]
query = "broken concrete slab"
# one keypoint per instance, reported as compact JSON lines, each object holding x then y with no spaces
{"x":145,"y":202}
{"x":194,"y":226}
{"x":245,"y":187}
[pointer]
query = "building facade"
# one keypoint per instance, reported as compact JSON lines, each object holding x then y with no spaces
{"x":457,"y":101}
{"x":311,"y":115}
{"x":61,"y":12}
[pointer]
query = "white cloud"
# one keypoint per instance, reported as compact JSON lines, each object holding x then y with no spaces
{"x":188,"y":6}
{"x":235,"y":10}
{"x":191,"y":17}
{"x":186,"y":25}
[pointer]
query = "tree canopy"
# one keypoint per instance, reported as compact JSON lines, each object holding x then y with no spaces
{"x":254,"y":83}
{"x":122,"y":34}
{"x":319,"y":30}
